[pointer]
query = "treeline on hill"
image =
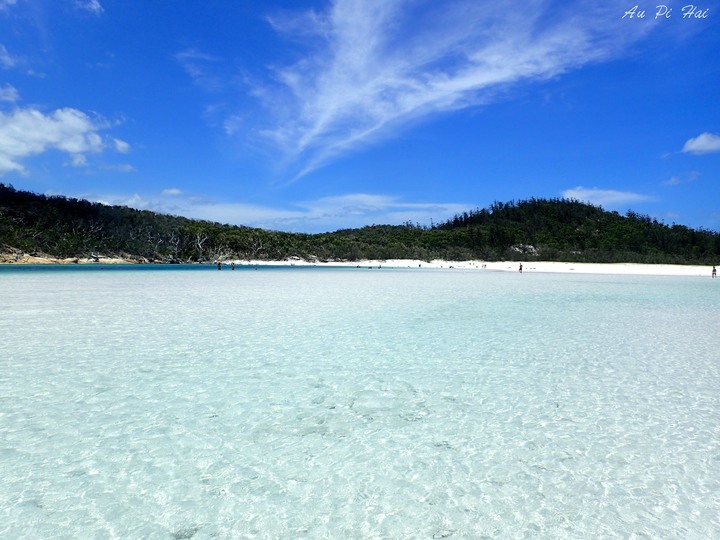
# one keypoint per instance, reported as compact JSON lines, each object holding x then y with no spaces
{"x":537,"y":229}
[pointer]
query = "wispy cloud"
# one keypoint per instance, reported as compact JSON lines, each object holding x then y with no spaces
{"x":196,"y":64}
{"x":318,"y":215}
{"x":117,"y":167}
{"x":6,"y":60}
{"x":676,"y":180}
{"x":9,"y":93}
{"x":93,"y":6}
{"x":121,"y":146}
{"x":375,"y":65}
{"x":359,"y":209}
{"x":705,"y":143}
{"x":5,"y":3}
{"x":609,"y":198}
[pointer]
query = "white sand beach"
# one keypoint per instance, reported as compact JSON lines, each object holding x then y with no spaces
{"x":504,"y":266}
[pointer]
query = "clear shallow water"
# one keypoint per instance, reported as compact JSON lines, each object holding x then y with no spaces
{"x":320,"y":403}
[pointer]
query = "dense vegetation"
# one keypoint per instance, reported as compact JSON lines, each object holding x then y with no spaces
{"x":537,"y":229}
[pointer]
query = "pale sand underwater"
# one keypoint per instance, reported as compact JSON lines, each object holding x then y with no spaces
{"x":150,"y":401}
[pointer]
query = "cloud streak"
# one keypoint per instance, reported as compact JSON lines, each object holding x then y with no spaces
{"x":374,"y":66}
{"x":609,"y":198}
{"x":9,"y":93}
{"x":197,"y":65}
{"x":7,"y":61}
{"x":317,"y":215}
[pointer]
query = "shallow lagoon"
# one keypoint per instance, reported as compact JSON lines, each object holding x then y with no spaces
{"x":326,"y":403}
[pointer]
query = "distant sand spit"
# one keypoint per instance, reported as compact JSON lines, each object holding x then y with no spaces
{"x":503,"y":266}
{"x":506,"y":266}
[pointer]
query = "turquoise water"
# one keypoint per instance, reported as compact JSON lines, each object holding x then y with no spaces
{"x":344,"y":403}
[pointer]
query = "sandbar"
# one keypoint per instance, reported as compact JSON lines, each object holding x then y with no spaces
{"x":503,"y":266}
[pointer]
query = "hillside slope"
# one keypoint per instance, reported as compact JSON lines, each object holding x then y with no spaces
{"x":536,"y":229}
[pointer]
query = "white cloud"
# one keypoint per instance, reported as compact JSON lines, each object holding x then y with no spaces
{"x":7,"y":165}
{"x":28,"y":132}
{"x":376,"y":65}
{"x":605,"y":197}
{"x":705,"y":143}
{"x":90,"y":5}
{"x":9,"y":93}
{"x":6,"y":60}
{"x":133,"y":201}
{"x":319,"y":215}
{"x":5,"y":3}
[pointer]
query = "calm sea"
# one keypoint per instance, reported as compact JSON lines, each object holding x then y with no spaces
{"x":357,"y":403}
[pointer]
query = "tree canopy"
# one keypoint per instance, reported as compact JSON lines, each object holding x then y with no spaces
{"x":534,"y":229}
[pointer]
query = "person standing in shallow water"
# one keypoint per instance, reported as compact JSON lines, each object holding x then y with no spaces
{"x":714,"y":272}
{"x":520,"y":269}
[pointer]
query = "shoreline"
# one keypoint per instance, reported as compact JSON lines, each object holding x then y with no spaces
{"x":498,"y":266}
{"x":502,"y":266}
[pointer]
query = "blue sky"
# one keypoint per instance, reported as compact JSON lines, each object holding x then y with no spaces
{"x":311,"y":116}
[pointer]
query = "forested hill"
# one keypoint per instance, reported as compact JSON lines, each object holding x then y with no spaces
{"x":536,"y":229}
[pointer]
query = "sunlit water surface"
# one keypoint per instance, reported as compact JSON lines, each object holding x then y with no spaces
{"x":346,"y":403}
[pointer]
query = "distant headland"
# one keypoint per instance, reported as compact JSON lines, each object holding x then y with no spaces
{"x":37,"y":229}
